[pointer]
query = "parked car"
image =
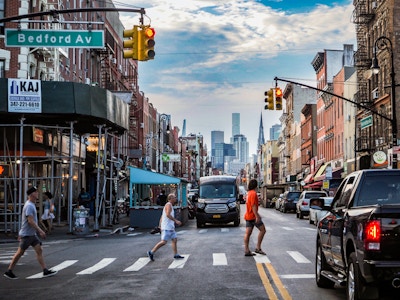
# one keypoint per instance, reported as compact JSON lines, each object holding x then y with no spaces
{"x":303,"y":205}
{"x":316,"y":209}
{"x":242,"y":194}
{"x":289,"y":201}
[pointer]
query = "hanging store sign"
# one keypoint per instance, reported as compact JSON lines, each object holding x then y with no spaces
{"x":54,"y":38}
{"x":24,"y":95}
{"x":366,"y":122}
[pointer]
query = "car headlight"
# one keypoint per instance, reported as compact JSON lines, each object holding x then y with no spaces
{"x":232,"y":204}
{"x":201,"y":205}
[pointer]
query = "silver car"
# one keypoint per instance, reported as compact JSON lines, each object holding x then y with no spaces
{"x":303,"y":205}
{"x":316,"y":208}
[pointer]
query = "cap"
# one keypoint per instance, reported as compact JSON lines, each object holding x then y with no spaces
{"x":48,"y":194}
{"x":31,"y":190}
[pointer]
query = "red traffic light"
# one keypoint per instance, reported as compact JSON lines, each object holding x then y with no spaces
{"x":149,"y":32}
{"x":278,"y":92}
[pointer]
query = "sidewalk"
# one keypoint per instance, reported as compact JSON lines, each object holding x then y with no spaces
{"x":61,"y":231}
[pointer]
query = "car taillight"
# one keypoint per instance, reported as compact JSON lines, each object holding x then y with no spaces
{"x":372,"y":235}
{"x":304,"y":203}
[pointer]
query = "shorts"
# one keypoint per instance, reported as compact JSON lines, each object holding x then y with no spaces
{"x":31,"y":240}
{"x":253,"y":223}
{"x":167,"y":235}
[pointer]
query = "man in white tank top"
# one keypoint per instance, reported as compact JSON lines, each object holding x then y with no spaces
{"x":168,"y":222}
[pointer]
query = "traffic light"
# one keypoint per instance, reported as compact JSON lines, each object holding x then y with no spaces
{"x":146,"y":43}
{"x":270,"y":99}
{"x":278,"y":98}
{"x":3,"y":170}
{"x":132,"y":43}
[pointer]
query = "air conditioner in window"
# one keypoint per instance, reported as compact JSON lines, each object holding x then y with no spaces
{"x":114,"y":61}
{"x":374,"y":4}
{"x":375,"y":94}
{"x":87,"y":80}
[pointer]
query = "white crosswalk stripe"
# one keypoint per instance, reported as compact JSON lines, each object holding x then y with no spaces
{"x":59,"y":267}
{"x":179,"y":263}
{"x":100,"y":265}
{"x":219,"y":259}
{"x":298,"y":257}
{"x":139,"y":264}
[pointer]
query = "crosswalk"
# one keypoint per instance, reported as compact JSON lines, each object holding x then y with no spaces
{"x":141,"y":263}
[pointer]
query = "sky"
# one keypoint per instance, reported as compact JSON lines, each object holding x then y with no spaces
{"x":215,"y":58}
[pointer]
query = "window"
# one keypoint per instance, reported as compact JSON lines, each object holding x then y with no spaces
{"x":2,"y":8}
{"x":2,"y":66}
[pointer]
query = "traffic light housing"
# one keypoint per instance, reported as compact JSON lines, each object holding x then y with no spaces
{"x":278,"y":98}
{"x":4,"y":170}
{"x":269,"y":100}
{"x":146,"y":43}
{"x":132,"y":43}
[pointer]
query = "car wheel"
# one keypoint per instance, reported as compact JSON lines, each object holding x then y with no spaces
{"x":236,"y":223}
{"x":284,"y":209}
{"x":301,"y":216}
{"x":310,"y":221}
{"x":356,"y":289}
{"x":321,"y":265}
{"x":297,"y":214}
{"x":199,"y":224}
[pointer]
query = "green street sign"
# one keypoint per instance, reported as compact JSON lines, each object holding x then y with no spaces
{"x":366,"y":122}
{"x":54,"y":38}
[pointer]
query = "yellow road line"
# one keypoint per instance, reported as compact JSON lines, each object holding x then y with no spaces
{"x":273,"y":278}
{"x":267,"y":285}
{"x":282,"y":290}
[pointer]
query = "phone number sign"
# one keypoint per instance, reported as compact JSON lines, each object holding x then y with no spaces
{"x":24,"y":95}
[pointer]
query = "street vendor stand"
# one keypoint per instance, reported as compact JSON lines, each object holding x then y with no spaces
{"x":144,"y":212}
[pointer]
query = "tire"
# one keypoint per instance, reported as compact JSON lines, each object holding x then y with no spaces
{"x":301,"y":216}
{"x":310,"y":221}
{"x":297,"y":214}
{"x":321,"y":265}
{"x":284,"y":209}
{"x":236,"y":223}
{"x":356,"y":288}
{"x":199,"y":224}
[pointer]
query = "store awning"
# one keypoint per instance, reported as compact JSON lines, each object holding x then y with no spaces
{"x":336,"y":173}
{"x":140,"y":176}
{"x":314,"y":185}
{"x":320,"y":175}
{"x":308,"y":178}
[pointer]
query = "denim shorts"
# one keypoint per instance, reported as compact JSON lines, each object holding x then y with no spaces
{"x":31,"y":240}
{"x":253,"y":223}
{"x":167,"y":235}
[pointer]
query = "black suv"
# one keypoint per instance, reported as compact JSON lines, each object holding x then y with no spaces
{"x":289,"y":201}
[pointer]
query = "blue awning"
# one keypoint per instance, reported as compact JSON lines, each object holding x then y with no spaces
{"x":140,"y":176}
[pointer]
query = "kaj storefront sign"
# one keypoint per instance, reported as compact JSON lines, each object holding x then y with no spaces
{"x":54,"y":38}
{"x":24,"y":95}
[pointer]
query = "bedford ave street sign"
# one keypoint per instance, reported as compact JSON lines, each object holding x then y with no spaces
{"x":54,"y":38}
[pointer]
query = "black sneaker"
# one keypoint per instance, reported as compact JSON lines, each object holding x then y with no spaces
{"x":177,"y":256}
{"x":150,"y":255}
{"x":10,"y":275}
{"x":48,"y":273}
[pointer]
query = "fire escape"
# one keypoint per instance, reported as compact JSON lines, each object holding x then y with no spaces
{"x":362,"y":17}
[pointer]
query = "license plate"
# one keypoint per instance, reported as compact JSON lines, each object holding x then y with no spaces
{"x":216,"y":216}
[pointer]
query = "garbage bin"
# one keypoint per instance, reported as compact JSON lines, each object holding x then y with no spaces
{"x":81,"y":221}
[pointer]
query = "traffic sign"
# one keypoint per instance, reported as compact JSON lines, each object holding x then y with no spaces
{"x":54,"y":38}
{"x":366,"y":122}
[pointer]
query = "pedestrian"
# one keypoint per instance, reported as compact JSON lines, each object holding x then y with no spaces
{"x":167,"y":224}
{"x":162,"y":198}
{"x":84,"y":198}
{"x":27,"y":236}
{"x":48,"y":211}
{"x":253,"y":218}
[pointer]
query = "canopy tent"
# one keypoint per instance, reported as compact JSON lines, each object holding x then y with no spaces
{"x":140,"y":176}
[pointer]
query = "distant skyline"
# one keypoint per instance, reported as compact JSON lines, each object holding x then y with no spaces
{"x":215,"y":58}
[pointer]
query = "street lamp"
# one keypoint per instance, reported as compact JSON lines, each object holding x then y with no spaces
{"x":384,"y":43}
{"x":162,"y":117}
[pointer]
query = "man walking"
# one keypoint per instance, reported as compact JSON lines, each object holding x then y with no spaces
{"x":27,"y":236}
{"x":167,"y":223}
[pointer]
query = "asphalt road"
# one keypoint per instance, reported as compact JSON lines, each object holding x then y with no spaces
{"x":116,"y":266}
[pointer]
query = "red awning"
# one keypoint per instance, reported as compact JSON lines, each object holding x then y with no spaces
{"x":308,"y":178}
{"x":314,"y":185}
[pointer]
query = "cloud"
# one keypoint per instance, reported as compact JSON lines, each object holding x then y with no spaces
{"x":214,"y":58}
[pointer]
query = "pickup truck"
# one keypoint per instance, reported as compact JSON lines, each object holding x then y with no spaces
{"x":358,"y":240}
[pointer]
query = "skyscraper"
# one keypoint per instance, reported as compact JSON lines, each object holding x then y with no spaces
{"x":261,"y":140}
{"x":274,"y":132}
{"x":235,"y":124}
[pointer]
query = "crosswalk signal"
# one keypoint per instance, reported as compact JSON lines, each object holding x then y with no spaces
{"x":269,"y":100}
{"x":278,"y":98}
{"x":3,"y":170}
{"x":146,"y":43}
{"x":132,"y":43}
